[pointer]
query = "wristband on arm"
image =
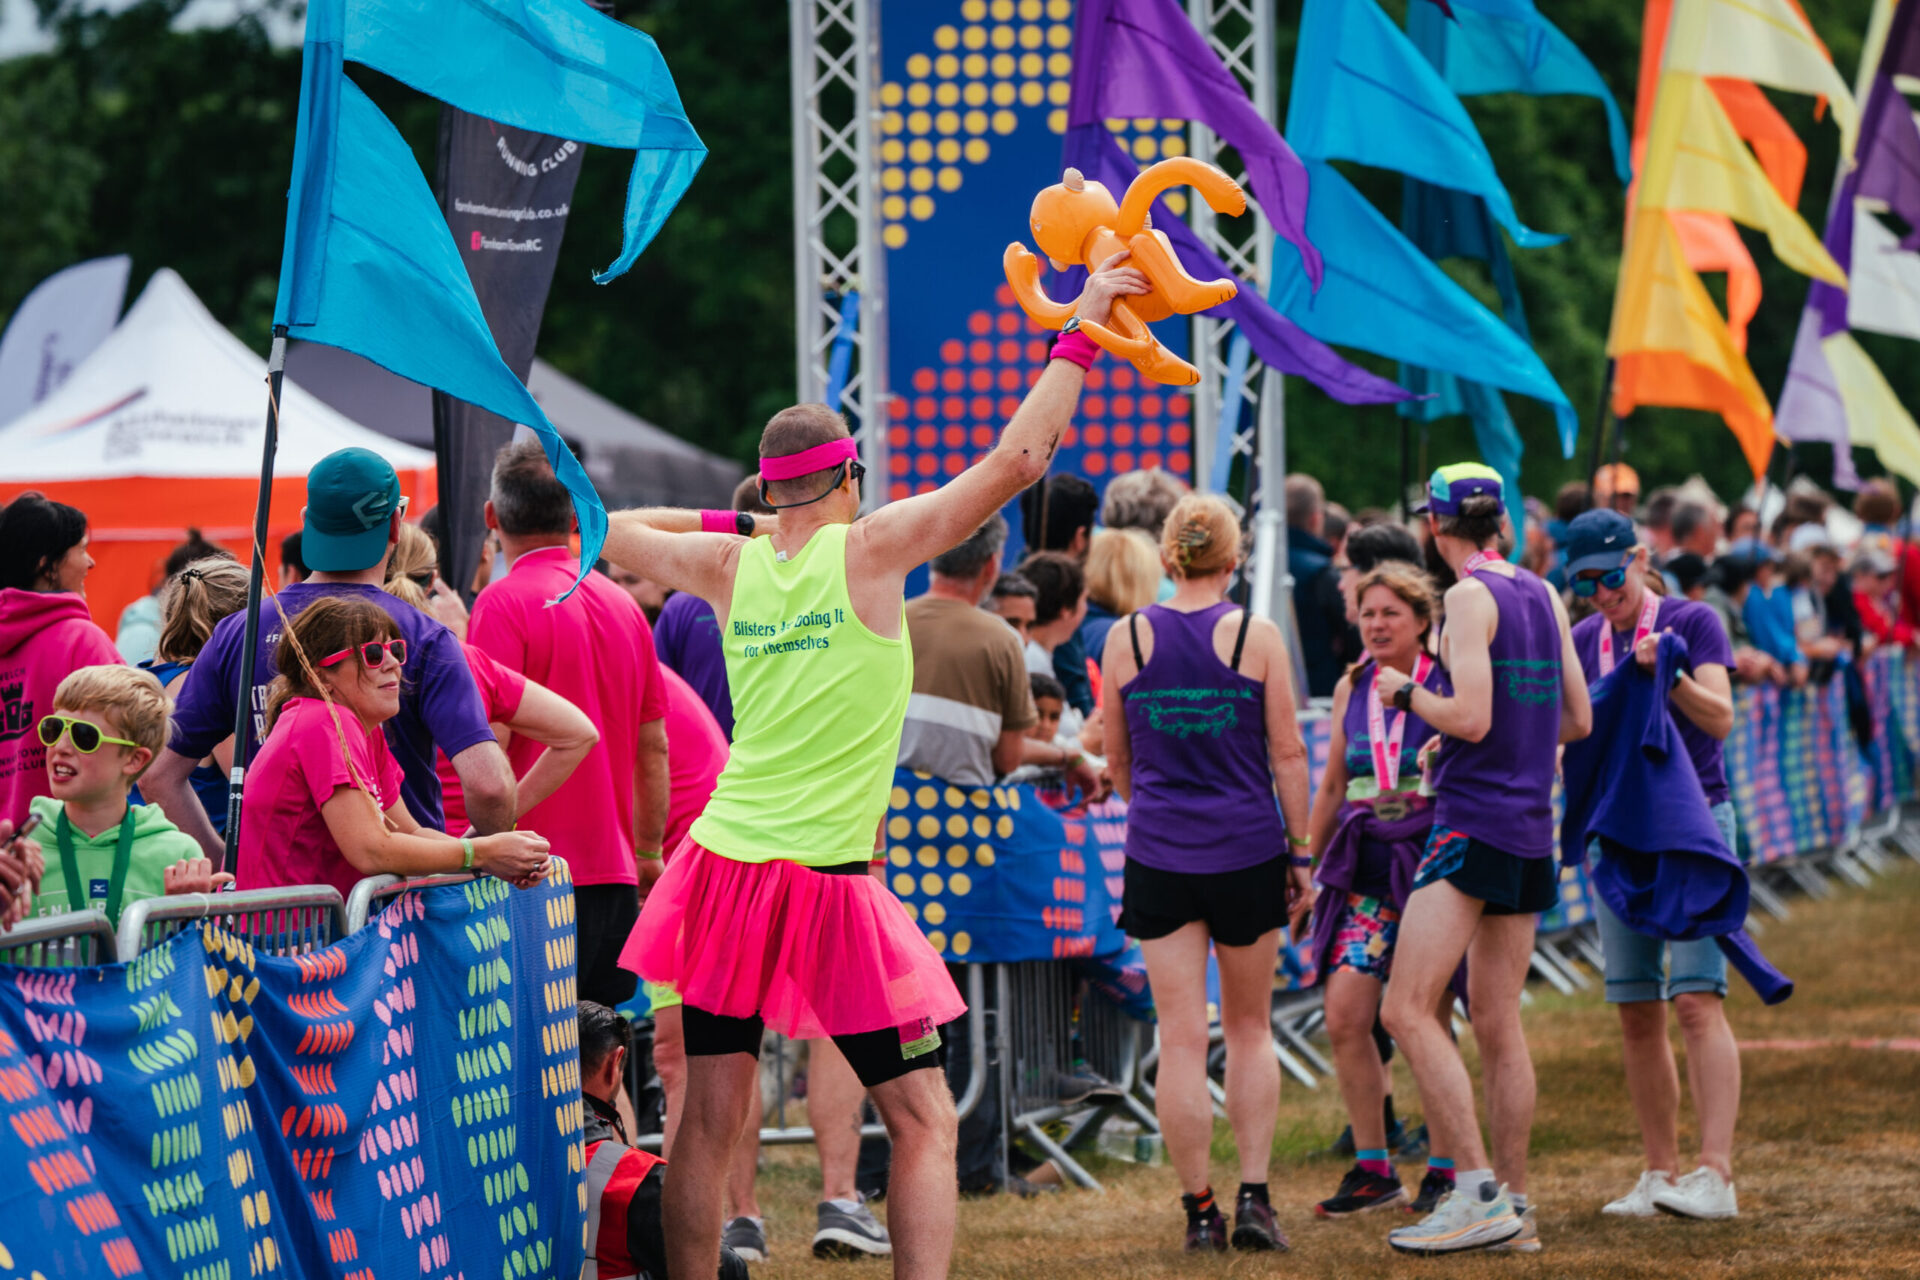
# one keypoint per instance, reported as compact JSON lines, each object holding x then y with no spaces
{"x":649,"y":855}
{"x":717,"y":522}
{"x":466,"y":853}
{"x":1077,"y":347}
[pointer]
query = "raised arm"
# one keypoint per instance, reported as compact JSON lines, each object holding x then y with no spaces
{"x":903,"y":535}
{"x":665,"y":545}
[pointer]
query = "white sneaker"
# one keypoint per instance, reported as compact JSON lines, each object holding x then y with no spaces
{"x":1462,"y":1221}
{"x":1528,"y":1241}
{"x":1700,"y":1194}
{"x":1638,"y":1203}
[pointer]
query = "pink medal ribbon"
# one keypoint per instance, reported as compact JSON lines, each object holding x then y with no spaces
{"x":1475,"y":560}
{"x":1385,"y":742}
{"x":1644,"y":628}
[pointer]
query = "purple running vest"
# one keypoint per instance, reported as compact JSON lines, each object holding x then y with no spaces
{"x":1499,"y":790}
{"x":1203,"y":798}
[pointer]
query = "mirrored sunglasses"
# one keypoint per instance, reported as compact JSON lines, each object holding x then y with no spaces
{"x":1586,"y":584}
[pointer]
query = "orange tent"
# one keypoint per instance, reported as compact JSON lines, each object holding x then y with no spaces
{"x":161,"y":428}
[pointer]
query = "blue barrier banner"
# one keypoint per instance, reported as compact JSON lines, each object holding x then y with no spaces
{"x":997,"y":875}
{"x":403,"y":1103}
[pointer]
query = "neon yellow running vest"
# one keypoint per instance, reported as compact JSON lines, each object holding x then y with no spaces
{"x":818,"y":704}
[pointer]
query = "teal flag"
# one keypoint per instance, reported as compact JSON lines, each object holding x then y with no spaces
{"x":1362,"y":92}
{"x":369,"y":264}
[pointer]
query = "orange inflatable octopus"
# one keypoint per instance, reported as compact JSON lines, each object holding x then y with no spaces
{"x":1077,"y":223}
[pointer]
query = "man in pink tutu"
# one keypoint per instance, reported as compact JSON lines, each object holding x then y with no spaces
{"x":766,"y":916}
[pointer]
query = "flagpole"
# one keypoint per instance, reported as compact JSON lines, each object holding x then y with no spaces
{"x":256,"y":579}
{"x":1406,"y":447}
{"x":1600,"y":431}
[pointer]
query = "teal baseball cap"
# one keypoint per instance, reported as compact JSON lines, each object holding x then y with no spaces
{"x":351,"y":497}
{"x":1451,"y":485}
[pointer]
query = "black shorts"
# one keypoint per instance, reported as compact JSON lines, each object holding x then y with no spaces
{"x":1237,"y":906}
{"x":876,"y":1056}
{"x":604,"y":914}
{"x":1505,"y":883}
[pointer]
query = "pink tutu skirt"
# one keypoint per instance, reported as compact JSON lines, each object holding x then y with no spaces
{"x":813,"y":953}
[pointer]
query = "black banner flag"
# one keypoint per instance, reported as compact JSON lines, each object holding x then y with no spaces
{"x":505,"y":193}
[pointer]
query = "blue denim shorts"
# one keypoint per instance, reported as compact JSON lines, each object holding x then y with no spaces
{"x":1640,"y":968}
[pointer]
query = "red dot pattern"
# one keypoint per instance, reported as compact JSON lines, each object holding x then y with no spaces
{"x":950,"y":416}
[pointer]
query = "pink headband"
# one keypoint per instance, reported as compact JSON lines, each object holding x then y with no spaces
{"x":792,"y":466}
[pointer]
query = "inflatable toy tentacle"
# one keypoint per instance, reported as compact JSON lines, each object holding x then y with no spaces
{"x":1186,"y":294}
{"x":1023,"y":277}
{"x":1220,"y":191}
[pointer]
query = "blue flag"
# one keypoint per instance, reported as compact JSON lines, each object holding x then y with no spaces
{"x":1362,"y":92}
{"x":369,"y":264}
{"x":1381,"y":294}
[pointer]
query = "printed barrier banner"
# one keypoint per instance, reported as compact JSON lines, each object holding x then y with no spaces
{"x":403,"y":1103}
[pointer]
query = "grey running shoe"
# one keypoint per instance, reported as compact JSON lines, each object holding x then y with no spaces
{"x":848,"y":1229}
{"x":746,"y":1237}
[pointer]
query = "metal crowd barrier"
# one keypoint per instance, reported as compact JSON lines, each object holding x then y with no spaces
{"x":371,"y":895}
{"x":71,"y":939}
{"x":288,"y":921}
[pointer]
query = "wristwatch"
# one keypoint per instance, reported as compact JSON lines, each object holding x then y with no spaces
{"x":1071,"y":326}
{"x":743,"y":523}
{"x":1403,"y":696}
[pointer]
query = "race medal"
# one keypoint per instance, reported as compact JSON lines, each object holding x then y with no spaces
{"x":1475,"y":560}
{"x":1385,"y":745}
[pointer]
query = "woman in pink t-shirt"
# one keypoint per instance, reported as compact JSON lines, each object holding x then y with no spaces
{"x":322,"y":801}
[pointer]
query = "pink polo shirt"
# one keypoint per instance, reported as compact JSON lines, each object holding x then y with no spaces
{"x":595,"y":650}
{"x":696,"y":753}
{"x":283,"y":838}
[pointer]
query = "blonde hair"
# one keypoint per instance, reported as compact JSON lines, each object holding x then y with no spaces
{"x":131,"y":696}
{"x":1408,"y":581}
{"x":193,"y":600}
{"x":1201,"y":537}
{"x":413,"y":553}
{"x":1123,"y":570}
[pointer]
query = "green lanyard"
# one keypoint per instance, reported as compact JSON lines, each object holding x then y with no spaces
{"x":70,"y":869}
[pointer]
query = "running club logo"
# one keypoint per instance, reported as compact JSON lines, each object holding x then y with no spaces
{"x":16,"y":711}
{"x":1189,"y":713}
{"x":1530,"y":680}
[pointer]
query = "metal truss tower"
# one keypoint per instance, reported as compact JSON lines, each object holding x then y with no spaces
{"x":836,"y":224}
{"x":1242,"y":33}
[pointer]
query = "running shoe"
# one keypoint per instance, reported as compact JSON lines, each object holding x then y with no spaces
{"x":1460,"y":1223}
{"x":1361,"y":1192}
{"x":1638,"y":1203}
{"x":1433,"y":1189}
{"x":1528,"y":1241}
{"x":747,"y":1237}
{"x":1255,"y":1228}
{"x":848,"y":1229}
{"x":1084,"y":1084}
{"x":1700,"y":1194}
{"x":1414,"y":1146}
{"x":1207,"y":1235}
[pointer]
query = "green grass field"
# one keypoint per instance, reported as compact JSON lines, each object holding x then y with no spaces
{"x":1827,"y":1167}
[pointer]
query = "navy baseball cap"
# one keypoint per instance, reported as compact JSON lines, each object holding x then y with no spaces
{"x":351,"y":497}
{"x":1451,"y":485}
{"x":1599,"y":539}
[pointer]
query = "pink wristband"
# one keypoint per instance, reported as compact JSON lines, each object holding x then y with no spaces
{"x":719,"y":522}
{"x":1077,"y":347}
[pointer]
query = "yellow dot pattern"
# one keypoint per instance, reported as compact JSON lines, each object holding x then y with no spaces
{"x":999,"y":56}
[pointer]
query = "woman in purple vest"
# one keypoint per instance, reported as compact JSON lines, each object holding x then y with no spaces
{"x":1370,"y":822}
{"x":1201,"y":736}
{"x":1518,"y":692}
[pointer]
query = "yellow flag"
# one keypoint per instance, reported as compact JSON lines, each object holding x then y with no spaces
{"x":1875,"y":417}
{"x":1765,"y":41}
{"x":1696,"y":160}
{"x":1671,"y":346}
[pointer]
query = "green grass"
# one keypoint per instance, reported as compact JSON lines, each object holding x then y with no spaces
{"x":1827,"y":1166}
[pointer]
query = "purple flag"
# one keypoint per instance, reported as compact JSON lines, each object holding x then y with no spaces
{"x":1278,"y":342}
{"x":1144,"y":58}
